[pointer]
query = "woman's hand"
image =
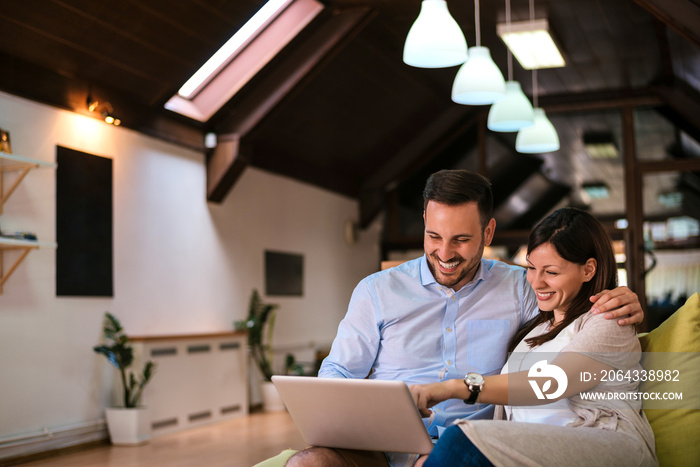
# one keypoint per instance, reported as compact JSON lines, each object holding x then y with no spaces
{"x":427,"y":395}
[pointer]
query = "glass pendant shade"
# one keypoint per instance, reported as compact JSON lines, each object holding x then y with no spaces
{"x":538,"y":138}
{"x":511,"y":113}
{"x":478,"y":81}
{"x":435,"y":40}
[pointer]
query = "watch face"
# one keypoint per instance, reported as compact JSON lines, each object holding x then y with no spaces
{"x":474,"y":378}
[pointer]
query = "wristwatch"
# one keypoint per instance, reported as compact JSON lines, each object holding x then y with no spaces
{"x":475,"y":383}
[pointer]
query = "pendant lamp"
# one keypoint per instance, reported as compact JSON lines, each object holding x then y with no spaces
{"x":541,"y":136}
{"x":435,"y":40}
{"x":538,"y":138}
{"x":511,"y":113}
{"x":478,"y":81}
{"x":514,"y":111}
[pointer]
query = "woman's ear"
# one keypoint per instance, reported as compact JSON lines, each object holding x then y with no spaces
{"x":589,"y":269}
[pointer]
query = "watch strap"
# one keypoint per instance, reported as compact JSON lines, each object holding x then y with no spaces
{"x":473,"y":387}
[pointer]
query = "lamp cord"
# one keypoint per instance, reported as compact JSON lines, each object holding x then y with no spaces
{"x":476,"y":19}
{"x":534,"y":87}
{"x":534,"y":70}
{"x":510,"y":55}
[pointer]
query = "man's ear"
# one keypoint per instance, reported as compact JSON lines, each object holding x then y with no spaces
{"x":589,"y":269}
{"x":489,"y":231}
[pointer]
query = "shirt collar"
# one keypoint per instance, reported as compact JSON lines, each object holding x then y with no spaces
{"x":427,"y":278}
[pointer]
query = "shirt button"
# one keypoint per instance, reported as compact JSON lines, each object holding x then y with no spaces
{"x":449,"y":362}
{"x":449,"y":329}
{"x":453,"y":298}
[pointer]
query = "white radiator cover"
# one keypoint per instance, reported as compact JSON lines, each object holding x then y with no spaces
{"x":200,"y":379}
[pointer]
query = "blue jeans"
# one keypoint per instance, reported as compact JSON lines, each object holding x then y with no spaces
{"x":455,"y":449}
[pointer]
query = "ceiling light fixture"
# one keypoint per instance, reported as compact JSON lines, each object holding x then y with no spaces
{"x":596,"y":190}
{"x":514,"y":111}
{"x":600,"y":145}
{"x":435,"y":40}
{"x":622,"y":224}
{"x":92,"y":105}
{"x":478,"y":81}
{"x":105,"y":109}
{"x":531,"y":43}
{"x":670,"y":199}
{"x":541,"y":136}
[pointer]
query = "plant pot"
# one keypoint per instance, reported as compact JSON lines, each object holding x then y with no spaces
{"x":128,"y":427}
{"x":272,"y":402}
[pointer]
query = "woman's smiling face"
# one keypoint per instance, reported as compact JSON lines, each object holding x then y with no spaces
{"x":555,"y":280}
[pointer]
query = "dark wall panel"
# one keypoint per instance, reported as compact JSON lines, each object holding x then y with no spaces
{"x":83,"y":224}
{"x":284,"y":273}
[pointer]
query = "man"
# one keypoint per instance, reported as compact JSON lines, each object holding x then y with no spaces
{"x":446,"y":314}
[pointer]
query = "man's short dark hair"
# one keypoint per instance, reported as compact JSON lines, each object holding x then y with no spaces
{"x":456,"y":187}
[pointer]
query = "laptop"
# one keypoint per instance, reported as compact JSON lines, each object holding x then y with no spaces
{"x":365,"y":414}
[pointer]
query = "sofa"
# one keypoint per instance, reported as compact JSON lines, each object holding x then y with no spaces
{"x":677,"y":340}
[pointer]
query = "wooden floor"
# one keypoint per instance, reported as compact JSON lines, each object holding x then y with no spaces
{"x":241,"y":442}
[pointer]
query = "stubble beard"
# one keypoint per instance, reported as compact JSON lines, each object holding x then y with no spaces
{"x":449,"y":281}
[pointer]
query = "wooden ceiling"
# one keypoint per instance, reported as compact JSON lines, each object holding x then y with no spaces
{"x":338,"y":108}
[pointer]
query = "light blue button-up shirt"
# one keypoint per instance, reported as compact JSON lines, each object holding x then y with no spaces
{"x":402,"y":325}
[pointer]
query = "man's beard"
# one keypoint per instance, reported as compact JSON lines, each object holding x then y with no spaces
{"x":441,"y":279}
{"x":451,"y":281}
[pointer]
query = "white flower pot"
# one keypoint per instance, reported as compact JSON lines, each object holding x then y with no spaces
{"x":128,"y":427}
{"x":272,"y":402}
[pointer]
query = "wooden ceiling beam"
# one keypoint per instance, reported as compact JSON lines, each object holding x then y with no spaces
{"x":669,"y":165}
{"x":606,"y":100}
{"x":683,"y":16}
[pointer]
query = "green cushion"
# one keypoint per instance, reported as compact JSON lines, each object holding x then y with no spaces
{"x":279,"y":460}
{"x":677,"y":431}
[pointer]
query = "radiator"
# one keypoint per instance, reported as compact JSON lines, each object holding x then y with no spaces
{"x":200,"y":379}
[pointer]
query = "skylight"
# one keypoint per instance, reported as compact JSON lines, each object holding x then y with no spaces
{"x":242,"y":56}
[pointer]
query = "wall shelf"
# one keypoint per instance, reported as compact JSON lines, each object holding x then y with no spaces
{"x":24,"y":247}
{"x":14,"y":163}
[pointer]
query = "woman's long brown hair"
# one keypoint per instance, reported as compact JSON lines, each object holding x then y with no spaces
{"x":577,"y":236}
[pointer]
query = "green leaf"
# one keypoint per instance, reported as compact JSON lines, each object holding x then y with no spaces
{"x":260,"y":326}
{"x":121,"y":355}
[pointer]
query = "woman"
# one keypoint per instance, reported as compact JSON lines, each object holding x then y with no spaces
{"x":569,"y":380}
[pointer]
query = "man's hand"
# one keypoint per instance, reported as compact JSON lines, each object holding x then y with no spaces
{"x":618,"y":303}
{"x":427,"y":395}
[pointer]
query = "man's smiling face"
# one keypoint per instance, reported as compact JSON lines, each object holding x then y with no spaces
{"x":454,"y":242}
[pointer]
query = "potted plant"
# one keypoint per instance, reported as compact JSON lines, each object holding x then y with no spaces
{"x":260,"y":325}
{"x":127,"y":425}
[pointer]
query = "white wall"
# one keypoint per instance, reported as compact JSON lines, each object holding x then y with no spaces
{"x":181,"y":265}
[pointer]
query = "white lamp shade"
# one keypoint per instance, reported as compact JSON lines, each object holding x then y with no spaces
{"x":478,"y":81}
{"x":435,"y":39}
{"x":511,"y":113}
{"x":538,"y":138}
